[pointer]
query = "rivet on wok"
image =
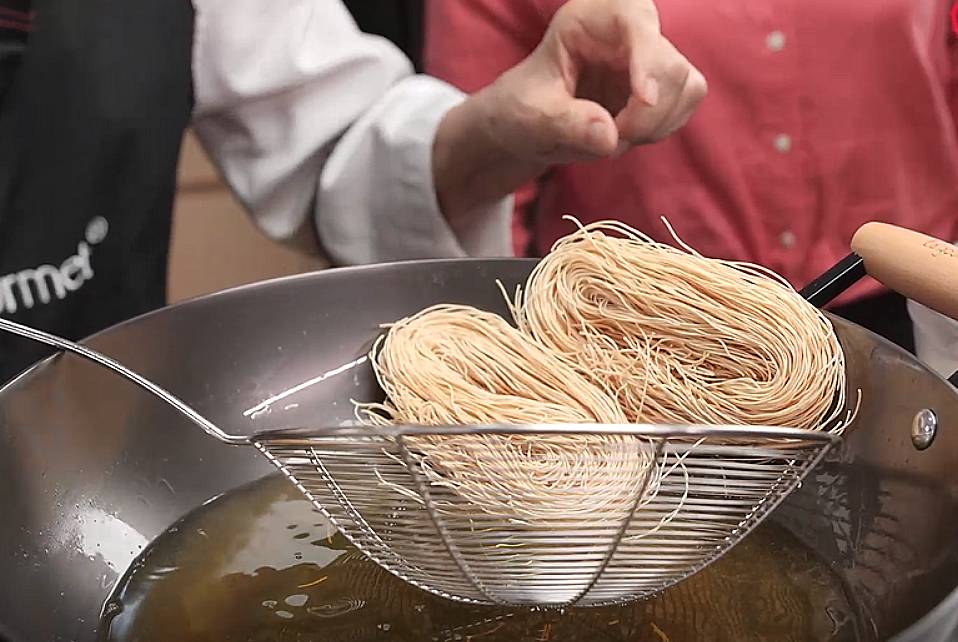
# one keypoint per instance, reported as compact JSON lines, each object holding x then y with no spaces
{"x":924,"y":427}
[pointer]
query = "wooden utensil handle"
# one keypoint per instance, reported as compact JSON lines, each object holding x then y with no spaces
{"x":915,"y":265}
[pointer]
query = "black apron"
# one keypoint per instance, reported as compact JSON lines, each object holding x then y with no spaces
{"x":91,"y":121}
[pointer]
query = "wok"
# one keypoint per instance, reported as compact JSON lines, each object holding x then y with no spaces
{"x":93,"y":468}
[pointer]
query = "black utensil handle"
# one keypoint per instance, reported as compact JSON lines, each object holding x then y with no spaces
{"x":839,"y":278}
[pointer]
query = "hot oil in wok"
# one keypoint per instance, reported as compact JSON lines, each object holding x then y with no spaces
{"x":261,"y":565}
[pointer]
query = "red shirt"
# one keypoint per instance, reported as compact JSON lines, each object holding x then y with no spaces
{"x":821,"y":115}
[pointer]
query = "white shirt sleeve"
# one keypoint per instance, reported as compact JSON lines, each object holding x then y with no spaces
{"x":936,"y":339}
{"x":312,"y":122}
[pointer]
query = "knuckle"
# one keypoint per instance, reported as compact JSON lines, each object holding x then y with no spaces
{"x":699,"y":86}
{"x":640,"y":25}
{"x":679,"y":67}
{"x":642,"y":11}
{"x":564,"y":11}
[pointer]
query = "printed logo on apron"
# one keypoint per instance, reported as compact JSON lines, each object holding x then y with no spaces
{"x":25,"y":289}
{"x":90,"y":128}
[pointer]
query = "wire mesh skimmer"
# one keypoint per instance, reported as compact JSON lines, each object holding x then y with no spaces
{"x":707,"y":487}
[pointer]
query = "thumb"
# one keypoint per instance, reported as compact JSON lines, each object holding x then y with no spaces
{"x":581,"y":130}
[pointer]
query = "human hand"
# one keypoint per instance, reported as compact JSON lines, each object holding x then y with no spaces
{"x":603,"y":79}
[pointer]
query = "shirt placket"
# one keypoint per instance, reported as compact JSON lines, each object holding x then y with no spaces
{"x":780,"y":193}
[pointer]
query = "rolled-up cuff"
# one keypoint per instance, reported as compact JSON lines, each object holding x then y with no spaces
{"x":376,"y":200}
{"x":936,"y":339}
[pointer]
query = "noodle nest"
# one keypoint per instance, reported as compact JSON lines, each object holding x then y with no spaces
{"x":680,"y":338}
{"x":453,"y":365}
{"x":611,"y":328}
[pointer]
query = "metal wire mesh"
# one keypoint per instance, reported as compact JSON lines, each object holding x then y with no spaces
{"x":709,"y":487}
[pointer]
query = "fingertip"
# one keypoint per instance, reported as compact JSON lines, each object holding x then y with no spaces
{"x":644,"y":85}
{"x":701,"y":84}
{"x":602,"y":137}
{"x":583,"y":130}
{"x":650,"y":91}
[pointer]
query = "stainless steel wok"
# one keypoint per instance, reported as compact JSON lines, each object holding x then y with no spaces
{"x":92,"y":468}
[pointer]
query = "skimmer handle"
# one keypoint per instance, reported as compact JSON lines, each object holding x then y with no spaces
{"x":92,"y":355}
{"x":915,"y":265}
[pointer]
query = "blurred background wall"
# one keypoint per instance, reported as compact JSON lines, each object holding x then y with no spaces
{"x":215,"y":243}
